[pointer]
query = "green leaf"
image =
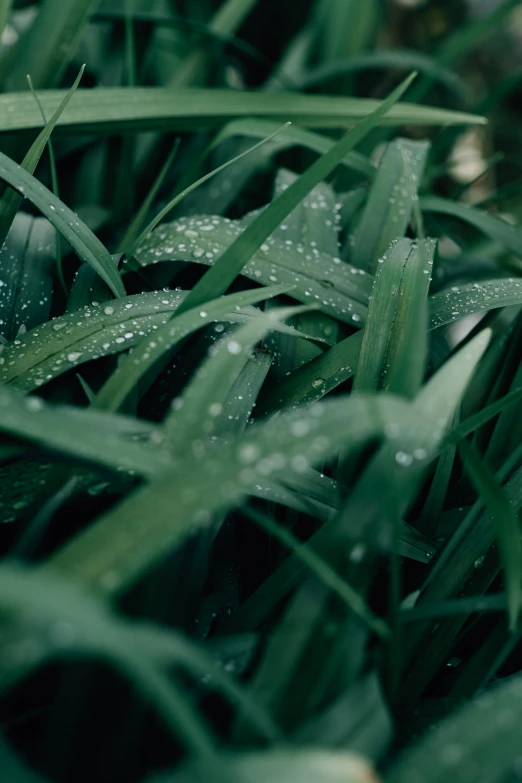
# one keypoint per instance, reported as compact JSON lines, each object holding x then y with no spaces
{"x":479,"y":744}
{"x":494,"y":227}
{"x":505,"y":523}
{"x":84,"y":242}
{"x":340,"y":289}
{"x":197,"y":486}
{"x":109,"y":110}
{"x":26,"y":261}
{"x":194,"y":414}
{"x":386,"y":59}
{"x":390,"y":202}
{"x":394,"y":345}
{"x":293,"y":136}
{"x":11,"y":200}
{"x":97,"y":437}
{"x":68,"y":341}
{"x":458,"y":301}
{"x":49,"y":44}
{"x":166,"y":337}
{"x":230,"y":264}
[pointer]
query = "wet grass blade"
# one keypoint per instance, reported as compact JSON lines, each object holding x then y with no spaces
{"x":194,"y":416}
{"x":505,"y":523}
{"x":218,"y":481}
{"x":26,"y":261}
{"x":340,"y":289}
{"x":394,"y":345}
{"x":176,"y":200}
{"x":148,"y":352}
{"x":471,"y":746}
{"x":94,"y":331}
{"x":229,"y":265}
{"x":389,"y":207}
{"x":87,"y":246}
{"x":455,"y":303}
{"x":92,"y":436}
{"x":11,"y":200}
{"x":152,"y":108}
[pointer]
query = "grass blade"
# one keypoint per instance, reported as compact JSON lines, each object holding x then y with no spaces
{"x":225,"y":270}
{"x":339,"y":289}
{"x":152,"y":108}
{"x":84,"y":242}
{"x":11,"y":200}
{"x":390,"y":203}
{"x":130,"y":547}
{"x":394,"y":346}
{"x":49,"y":44}
{"x":494,"y":227}
{"x":148,"y":352}
{"x":176,"y":200}
{"x":193,"y":418}
{"x":505,"y":523}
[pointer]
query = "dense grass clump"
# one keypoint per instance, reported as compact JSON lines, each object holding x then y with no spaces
{"x":260,"y":340}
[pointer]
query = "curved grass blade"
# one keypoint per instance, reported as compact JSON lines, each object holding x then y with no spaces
{"x":87,"y":246}
{"x":394,"y":345}
{"x":92,"y":629}
{"x":458,"y":301}
{"x":49,"y":44}
{"x":26,"y":261}
{"x":68,"y":341}
{"x":230,"y":264}
{"x":340,"y":289}
{"x":492,"y":226}
{"x":505,"y":523}
{"x":11,"y":200}
{"x":390,"y":202}
{"x":197,"y":486}
{"x":111,"y":110}
{"x":385,"y":59}
{"x":473,"y":746}
{"x":93,"y":436}
{"x":294,"y":135}
{"x":148,"y":352}
{"x":194,"y":414}
{"x":176,"y":200}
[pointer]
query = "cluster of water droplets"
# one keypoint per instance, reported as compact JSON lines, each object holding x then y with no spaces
{"x":339,"y":288}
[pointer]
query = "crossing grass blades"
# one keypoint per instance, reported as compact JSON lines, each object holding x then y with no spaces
{"x":260,"y":401}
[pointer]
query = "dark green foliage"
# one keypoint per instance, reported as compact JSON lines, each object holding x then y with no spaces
{"x":261,"y":469}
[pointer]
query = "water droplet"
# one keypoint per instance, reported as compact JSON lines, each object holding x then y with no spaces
{"x":233,"y":347}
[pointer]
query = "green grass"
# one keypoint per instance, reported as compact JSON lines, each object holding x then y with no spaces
{"x":260,"y":392}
